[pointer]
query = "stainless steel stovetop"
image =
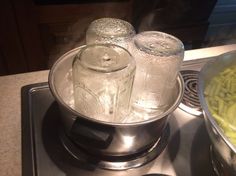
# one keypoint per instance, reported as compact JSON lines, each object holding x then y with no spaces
{"x":187,"y":152}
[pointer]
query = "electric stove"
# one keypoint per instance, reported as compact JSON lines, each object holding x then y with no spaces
{"x":183,"y":149}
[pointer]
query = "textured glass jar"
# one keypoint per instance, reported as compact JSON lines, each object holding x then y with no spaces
{"x":110,"y":30}
{"x":103,"y":77}
{"x":158,"y":59}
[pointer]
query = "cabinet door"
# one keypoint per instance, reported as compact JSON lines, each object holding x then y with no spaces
{"x":3,"y":68}
{"x":27,"y":20}
{"x":11,"y":49}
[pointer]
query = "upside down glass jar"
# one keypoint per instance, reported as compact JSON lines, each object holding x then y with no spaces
{"x":103,"y":77}
{"x":158,"y":59}
{"x":110,"y":30}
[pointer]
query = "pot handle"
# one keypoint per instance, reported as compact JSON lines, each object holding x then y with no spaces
{"x":89,"y":133}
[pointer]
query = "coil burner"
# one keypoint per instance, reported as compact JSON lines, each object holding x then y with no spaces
{"x":190,"y":102}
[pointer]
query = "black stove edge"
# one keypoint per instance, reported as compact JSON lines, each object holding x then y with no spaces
{"x":29,"y":166}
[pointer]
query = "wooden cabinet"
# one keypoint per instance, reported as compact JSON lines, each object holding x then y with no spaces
{"x":33,"y":36}
{"x":12,"y":58}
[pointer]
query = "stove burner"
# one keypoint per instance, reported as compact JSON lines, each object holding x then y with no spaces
{"x":117,"y":163}
{"x":190,"y":102}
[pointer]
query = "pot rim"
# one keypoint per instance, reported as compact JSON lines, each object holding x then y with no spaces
{"x":75,"y":113}
{"x":207,"y":113}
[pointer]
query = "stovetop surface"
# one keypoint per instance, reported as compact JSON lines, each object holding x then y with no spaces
{"x":187,"y":152}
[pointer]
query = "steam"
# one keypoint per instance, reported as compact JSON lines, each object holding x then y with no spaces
{"x":75,"y":34}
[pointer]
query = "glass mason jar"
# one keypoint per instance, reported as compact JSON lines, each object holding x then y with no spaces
{"x":158,"y":59}
{"x":103,"y":77}
{"x":110,"y":30}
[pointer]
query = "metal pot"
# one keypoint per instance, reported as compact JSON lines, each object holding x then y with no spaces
{"x":223,"y":149}
{"x":104,"y":138}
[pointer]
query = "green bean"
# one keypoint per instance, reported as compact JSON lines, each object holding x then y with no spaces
{"x":220,"y":96}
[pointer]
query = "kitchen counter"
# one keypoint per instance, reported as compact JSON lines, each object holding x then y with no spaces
{"x":10,"y":119}
{"x":10,"y":109}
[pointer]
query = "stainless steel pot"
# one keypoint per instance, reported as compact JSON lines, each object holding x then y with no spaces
{"x":224,"y":150}
{"x":104,"y":138}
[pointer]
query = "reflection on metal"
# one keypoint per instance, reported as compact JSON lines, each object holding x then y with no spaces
{"x":129,"y":141}
{"x":216,"y":164}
